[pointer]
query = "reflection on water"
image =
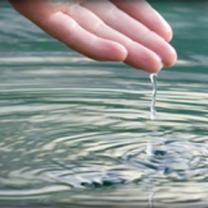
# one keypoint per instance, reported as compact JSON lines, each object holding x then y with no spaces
{"x":75,"y":133}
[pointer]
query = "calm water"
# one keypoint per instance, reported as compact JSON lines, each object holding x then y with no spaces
{"x":77,"y":133}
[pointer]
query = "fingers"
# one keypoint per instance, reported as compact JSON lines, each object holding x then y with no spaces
{"x":142,"y":11}
{"x":132,"y":28}
{"x":143,"y":58}
{"x":138,"y":55}
{"x":102,"y":31}
{"x":68,"y":31}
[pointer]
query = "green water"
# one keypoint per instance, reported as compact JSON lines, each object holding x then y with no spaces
{"x":77,"y":133}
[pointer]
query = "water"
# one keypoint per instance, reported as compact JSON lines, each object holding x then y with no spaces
{"x":77,"y":133}
{"x":153,"y":79}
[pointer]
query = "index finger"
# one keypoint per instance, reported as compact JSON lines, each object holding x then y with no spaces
{"x":142,"y":11}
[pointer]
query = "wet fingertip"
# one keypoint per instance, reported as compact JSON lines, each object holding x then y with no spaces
{"x":158,"y":64}
{"x":155,"y":66}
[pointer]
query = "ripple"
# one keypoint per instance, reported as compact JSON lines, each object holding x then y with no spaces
{"x":78,"y":138}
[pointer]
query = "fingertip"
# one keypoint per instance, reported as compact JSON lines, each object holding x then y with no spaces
{"x":113,"y":51}
{"x":123,"y":52}
{"x":144,"y":59}
{"x":155,"y":65}
{"x":168,"y":34}
{"x":172,"y":58}
{"x":153,"y":62}
{"x":164,"y":28}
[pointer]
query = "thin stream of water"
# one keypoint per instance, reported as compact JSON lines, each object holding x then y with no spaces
{"x":149,"y":149}
{"x":153,"y":78}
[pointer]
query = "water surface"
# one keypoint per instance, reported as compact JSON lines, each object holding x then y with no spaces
{"x":77,"y":133}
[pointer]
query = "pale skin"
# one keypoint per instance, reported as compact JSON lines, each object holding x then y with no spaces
{"x":130,"y":31}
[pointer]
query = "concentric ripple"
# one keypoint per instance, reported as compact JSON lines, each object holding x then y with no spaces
{"x":59,"y":139}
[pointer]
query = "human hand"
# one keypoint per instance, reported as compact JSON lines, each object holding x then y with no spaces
{"x":119,"y":30}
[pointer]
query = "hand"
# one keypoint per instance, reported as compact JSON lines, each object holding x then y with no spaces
{"x":119,"y":30}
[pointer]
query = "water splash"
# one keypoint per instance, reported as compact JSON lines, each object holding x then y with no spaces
{"x":153,"y":78}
